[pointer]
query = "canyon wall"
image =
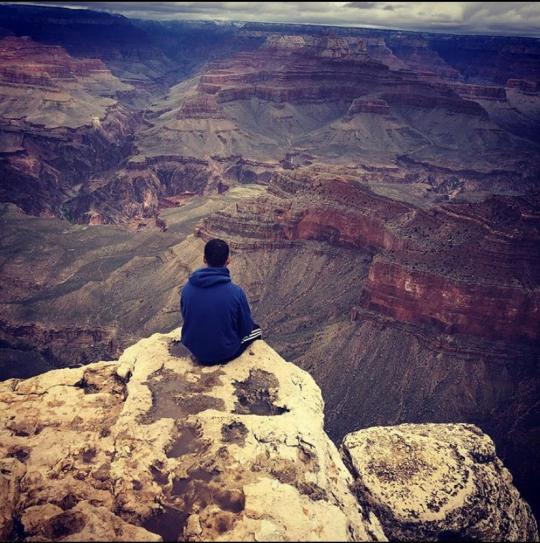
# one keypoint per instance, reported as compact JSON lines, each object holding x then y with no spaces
{"x":442,"y":303}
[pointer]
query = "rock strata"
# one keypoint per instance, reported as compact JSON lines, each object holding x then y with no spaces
{"x":44,"y":85}
{"x":437,"y":482}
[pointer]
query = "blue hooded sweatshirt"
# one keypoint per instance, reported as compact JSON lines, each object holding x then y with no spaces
{"x":216,"y":315}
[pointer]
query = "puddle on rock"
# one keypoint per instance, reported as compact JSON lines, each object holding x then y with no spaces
{"x":169,"y":523}
{"x":180,"y":486}
{"x":188,"y":442}
{"x":233,"y":501}
{"x":159,"y":477}
{"x":20,"y":453}
{"x":175,"y":397}
{"x":201,"y":474}
{"x":234,"y":432}
{"x":256,"y":395}
{"x":88,"y":455}
{"x":201,"y":489}
{"x":190,"y":483}
{"x":178,"y":350}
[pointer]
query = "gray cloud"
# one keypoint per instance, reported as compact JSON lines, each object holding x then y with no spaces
{"x":361,"y":5}
{"x":506,"y":18}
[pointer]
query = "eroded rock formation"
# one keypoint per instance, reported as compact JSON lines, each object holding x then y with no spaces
{"x":60,"y":123}
{"x":424,"y":271}
{"x":441,"y":301}
{"x":154,"y":447}
{"x":43,"y":85}
{"x":437,"y":482}
{"x":154,"y":444}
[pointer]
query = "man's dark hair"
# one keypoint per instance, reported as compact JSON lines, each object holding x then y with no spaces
{"x":216,"y":252}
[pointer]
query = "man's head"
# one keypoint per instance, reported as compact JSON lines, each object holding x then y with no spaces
{"x":216,"y":253}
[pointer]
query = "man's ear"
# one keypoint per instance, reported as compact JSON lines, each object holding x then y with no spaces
{"x":228,"y":261}
{"x":204,"y":260}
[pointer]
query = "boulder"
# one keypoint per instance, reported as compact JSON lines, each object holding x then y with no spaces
{"x":437,"y":482}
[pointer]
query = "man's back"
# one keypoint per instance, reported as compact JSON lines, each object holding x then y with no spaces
{"x":216,"y":315}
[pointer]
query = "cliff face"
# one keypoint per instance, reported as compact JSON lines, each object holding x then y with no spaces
{"x":155,"y":445}
{"x":422,"y":270}
{"x":43,"y":85}
{"x":60,"y":122}
{"x":243,"y":116}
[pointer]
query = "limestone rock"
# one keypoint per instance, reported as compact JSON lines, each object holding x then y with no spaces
{"x":155,"y":445}
{"x":437,"y":482}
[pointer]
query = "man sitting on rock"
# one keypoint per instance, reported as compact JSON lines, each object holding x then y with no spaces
{"x":217,"y":319}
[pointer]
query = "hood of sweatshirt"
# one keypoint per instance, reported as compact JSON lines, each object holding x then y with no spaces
{"x":208,"y":277}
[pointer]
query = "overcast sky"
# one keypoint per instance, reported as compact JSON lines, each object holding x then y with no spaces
{"x":500,"y":18}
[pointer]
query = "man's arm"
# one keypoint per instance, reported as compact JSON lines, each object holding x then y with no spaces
{"x":182,"y":309}
{"x":182,"y":312}
{"x":245,"y":321}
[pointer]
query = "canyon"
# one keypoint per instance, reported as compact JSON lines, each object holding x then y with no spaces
{"x":379,"y":191}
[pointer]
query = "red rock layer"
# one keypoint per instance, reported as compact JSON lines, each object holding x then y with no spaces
{"x":38,"y":176}
{"x":25,"y":62}
{"x":295,"y":69}
{"x":471,"y":270}
{"x":200,"y":107}
{"x":430,"y":100}
{"x":134,"y":195}
{"x":482,"y":92}
{"x":359,"y":105}
{"x":454,"y":306}
{"x":523,"y":85}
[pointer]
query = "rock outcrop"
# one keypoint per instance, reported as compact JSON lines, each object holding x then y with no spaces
{"x":411,"y":302}
{"x":154,"y":446}
{"x":437,"y":482}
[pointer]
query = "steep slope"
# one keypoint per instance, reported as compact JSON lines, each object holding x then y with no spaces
{"x":65,"y":287}
{"x":440,"y":303}
{"x":295,"y":86}
{"x":128,"y":51}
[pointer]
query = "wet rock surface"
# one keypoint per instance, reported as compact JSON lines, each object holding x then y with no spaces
{"x":438,"y":482}
{"x":153,"y":446}
{"x":257,"y":393}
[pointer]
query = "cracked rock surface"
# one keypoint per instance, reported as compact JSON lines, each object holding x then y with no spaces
{"x":437,"y":482}
{"x":154,"y":447}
